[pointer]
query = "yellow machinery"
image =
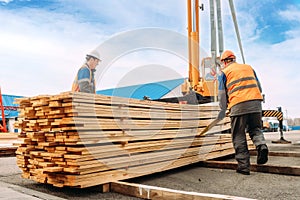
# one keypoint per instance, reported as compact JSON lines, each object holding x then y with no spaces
{"x":202,"y":81}
{"x":201,"y":85}
{"x":204,"y":86}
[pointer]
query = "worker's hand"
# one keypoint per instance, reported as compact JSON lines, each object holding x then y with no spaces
{"x":221,"y":114}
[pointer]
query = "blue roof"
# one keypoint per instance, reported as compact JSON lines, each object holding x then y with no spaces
{"x":10,"y":108}
{"x":8,"y":100}
{"x":152,"y":90}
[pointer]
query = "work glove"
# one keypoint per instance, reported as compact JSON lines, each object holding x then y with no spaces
{"x":221,"y":114}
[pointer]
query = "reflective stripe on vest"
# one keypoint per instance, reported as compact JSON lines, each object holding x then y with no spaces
{"x":241,"y":84}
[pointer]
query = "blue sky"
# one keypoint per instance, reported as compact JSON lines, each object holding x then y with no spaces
{"x":44,"y":42}
{"x":270,"y":24}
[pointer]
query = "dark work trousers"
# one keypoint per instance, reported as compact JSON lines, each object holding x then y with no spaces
{"x":252,"y":122}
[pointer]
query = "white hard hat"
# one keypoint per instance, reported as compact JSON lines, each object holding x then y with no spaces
{"x":94,"y":54}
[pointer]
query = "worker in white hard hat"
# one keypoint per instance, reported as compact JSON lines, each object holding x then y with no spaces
{"x":240,"y":92}
{"x":85,"y":79}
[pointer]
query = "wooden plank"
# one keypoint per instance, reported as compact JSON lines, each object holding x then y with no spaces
{"x":7,"y":151}
{"x":8,"y":136}
{"x":83,"y":181}
{"x":172,"y":160}
{"x":108,"y":100}
{"x":98,"y":99}
{"x":149,"y":157}
{"x":53,"y":169}
{"x":96,"y":136}
{"x":130,"y":123}
{"x":127,"y":125}
{"x":280,"y":153}
{"x":134,"y":112}
{"x":266,"y":168}
{"x":154,"y":192}
{"x":172,"y":142}
{"x":81,"y":159}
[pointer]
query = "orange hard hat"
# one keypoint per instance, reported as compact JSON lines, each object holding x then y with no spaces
{"x":227,"y":54}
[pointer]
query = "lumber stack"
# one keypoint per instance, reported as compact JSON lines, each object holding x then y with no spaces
{"x":81,"y":140}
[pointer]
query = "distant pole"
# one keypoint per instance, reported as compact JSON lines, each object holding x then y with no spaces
{"x":287,"y":119}
{"x":236,"y":28}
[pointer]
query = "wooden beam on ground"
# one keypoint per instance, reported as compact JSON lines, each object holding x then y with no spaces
{"x":280,"y":153}
{"x":267,"y":168}
{"x":7,"y":151}
{"x":153,"y":192}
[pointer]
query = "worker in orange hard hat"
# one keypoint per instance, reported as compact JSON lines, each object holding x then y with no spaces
{"x":227,"y":55}
{"x":240,"y":92}
{"x":85,"y":79}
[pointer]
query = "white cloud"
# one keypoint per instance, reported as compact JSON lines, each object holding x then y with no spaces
{"x":291,"y":14}
{"x":43,"y":49}
{"x":277,"y":68}
{"x":6,"y":1}
{"x":155,"y":66}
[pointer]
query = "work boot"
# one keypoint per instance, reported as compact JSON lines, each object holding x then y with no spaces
{"x":244,"y":172}
{"x":262,"y":154}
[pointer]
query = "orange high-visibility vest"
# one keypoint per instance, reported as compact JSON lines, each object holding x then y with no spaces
{"x":241,"y":84}
{"x":75,"y":85}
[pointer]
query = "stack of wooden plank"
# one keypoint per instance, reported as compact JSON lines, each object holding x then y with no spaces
{"x":81,"y":140}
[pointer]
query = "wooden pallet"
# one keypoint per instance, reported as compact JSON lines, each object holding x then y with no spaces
{"x":81,"y":140}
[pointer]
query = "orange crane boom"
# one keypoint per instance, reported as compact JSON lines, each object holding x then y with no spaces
{"x":196,"y":81}
{"x":3,"y":128}
{"x":193,"y":42}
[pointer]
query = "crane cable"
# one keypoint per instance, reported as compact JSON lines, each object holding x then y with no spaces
{"x":236,"y":28}
{"x":220,"y":28}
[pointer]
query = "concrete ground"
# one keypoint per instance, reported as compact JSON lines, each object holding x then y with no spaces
{"x":191,"y":178}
